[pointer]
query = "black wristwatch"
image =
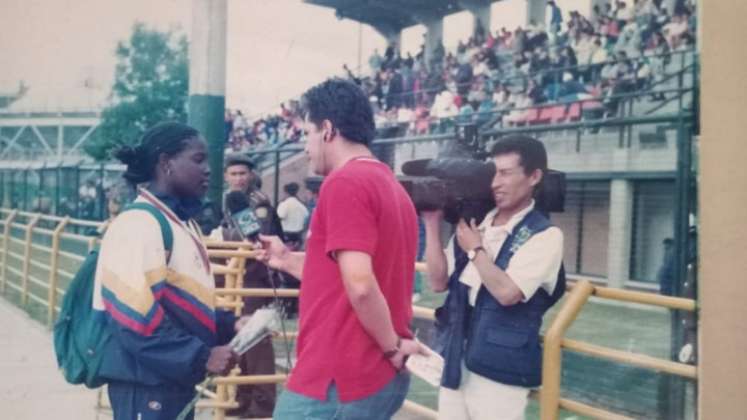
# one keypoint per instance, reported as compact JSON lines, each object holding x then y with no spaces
{"x":472,"y":253}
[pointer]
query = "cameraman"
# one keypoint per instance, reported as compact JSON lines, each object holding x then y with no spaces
{"x":502,"y":275}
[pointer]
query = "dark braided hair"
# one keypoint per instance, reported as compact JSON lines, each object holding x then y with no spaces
{"x":141,"y":160}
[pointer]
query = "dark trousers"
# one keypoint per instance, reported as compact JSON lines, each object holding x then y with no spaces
{"x":141,"y":402}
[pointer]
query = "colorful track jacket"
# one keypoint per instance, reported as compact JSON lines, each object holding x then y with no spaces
{"x":161,"y":310}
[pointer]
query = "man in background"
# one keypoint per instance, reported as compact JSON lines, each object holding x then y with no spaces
{"x":293,"y":214}
{"x":254,"y":400}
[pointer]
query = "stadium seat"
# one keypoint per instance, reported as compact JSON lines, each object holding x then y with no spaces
{"x":574,"y":112}
{"x":544,"y":115}
{"x":530,"y":116}
{"x":559,"y":113}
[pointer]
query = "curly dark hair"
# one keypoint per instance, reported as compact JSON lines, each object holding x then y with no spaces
{"x":345,"y":105}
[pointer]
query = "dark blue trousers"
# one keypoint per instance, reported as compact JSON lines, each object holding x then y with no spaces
{"x":140,"y":402}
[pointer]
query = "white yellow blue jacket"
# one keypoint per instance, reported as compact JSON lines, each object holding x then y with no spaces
{"x":161,"y":310}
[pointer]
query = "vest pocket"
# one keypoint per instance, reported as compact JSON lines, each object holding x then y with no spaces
{"x":504,"y":354}
{"x":507,"y":337}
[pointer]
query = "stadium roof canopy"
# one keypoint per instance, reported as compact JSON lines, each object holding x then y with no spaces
{"x":389,"y":16}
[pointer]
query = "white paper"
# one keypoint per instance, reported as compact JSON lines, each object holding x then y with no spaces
{"x":261,"y":324}
{"x":428,"y":368}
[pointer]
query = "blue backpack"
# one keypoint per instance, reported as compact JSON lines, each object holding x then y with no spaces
{"x":81,"y":332}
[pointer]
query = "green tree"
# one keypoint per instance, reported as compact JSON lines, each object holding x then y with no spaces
{"x":151,"y":84}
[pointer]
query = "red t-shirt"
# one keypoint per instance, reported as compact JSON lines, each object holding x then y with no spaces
{"x":363,"y":208}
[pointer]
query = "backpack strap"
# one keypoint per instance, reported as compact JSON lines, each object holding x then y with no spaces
{"x":166,"y":233}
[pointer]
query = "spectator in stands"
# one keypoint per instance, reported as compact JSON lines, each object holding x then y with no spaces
{"x":293,"y":214}
{"x":657,"y":54}
{"x":466,"y":113}
{"x":496,"y":279}
{"x":587,"y":44}
{"x":502,"y":97}
{"x":444,"y":109}
{"x":675,"y":30}
{"x":394,"y":89}
{"x":622,"y":81}
{"x":555,"y":17}
{"x":228,"y":125}
{"x":485,"y":111}
{"x":569,"y":62}
{"x":665,"y":275}
{"x":522,"y":101}
{"x":582,"y":50}
{"x":596,"y":14}
{"x":437,"y":57}
{"x":463,"y":77}
{"x":357,"y":280}
{"x":375,"y":61}
{"x":535,"y":93}
{"x":422,"y":123}
{"x":597,"y":60}
{"x":623,"y":13}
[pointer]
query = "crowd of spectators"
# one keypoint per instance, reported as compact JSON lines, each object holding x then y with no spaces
{"x":243,"y":134}
{"x":494,"y":77}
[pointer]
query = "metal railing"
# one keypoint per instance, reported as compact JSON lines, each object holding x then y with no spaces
{"x":61,"y":264}
{"x":555,"y":342}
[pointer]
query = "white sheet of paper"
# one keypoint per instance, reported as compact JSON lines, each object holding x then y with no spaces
{"x":428,"y":368}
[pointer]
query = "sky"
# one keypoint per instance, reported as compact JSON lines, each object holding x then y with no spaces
{"x":276,"y":49}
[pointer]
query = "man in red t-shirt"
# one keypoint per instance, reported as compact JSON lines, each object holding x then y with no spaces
{"x":356,"y":287}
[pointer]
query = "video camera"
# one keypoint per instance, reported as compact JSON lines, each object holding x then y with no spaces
{"x":459,"y":181}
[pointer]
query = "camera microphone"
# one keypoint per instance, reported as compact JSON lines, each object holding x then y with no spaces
{"x":241,"y":216}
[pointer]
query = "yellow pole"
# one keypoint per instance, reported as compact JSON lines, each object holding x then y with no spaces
{"x":54,"y":262}
{"x":552,"y":357}
{"x":251,"y":379}
{"x":6,"y":243}
{"x":258,"y":292}
{"x":27,"y":259}
{"x":220,"y":412}
{"x":240,"y":282}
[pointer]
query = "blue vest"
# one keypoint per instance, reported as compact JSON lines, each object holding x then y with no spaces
{"x":498,"y":342}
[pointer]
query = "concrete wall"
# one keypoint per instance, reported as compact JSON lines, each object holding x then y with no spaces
{"x":295,"y":169}
{"x":722,"y":201}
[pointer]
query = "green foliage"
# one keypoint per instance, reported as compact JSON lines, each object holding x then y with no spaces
{"x":151,"y":85}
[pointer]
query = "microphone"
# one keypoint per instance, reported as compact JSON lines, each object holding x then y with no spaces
{"x":242,"y":217}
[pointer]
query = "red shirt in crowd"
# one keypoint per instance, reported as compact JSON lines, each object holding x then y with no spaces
{"x":363,"y":208}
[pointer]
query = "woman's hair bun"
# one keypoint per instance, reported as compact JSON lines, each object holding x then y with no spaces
{"x":136,"y":160}
{"x":127,"y":154}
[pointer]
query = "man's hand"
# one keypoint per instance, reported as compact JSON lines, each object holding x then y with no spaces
{"x":222,"y":359}
{"x":406,"y":348}
{"x":241,"y":322}
{"x":468,"y":236}
{"x":432,"y":216}
{"x":273,"y":252}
